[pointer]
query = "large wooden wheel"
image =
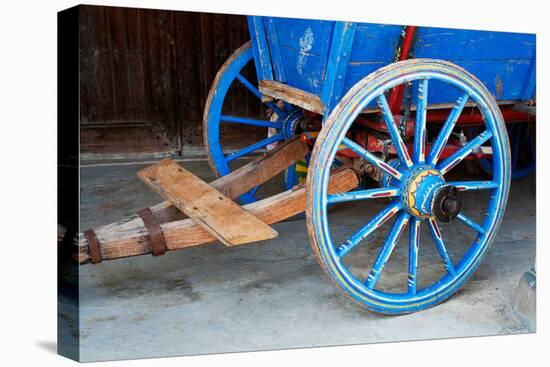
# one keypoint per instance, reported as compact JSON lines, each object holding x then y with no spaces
{"x":416,"y":191}
{"x":282,"y":121}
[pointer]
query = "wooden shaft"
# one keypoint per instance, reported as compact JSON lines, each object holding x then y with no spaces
{"x":245,"y":178}
{"x":232,"y":185}
{"x":129,"y":237}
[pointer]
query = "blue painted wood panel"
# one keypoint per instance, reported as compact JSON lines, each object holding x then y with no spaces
{"x":304,"y":46}
{"x":311,"y":36}
{"x":260,"y":49}
{"x":303,"y":70}
{"x":505,"y":79}
{"x":463,"y":44}
{"x":503,"y":61}
{"x":343,"y":37}
{"x":375,"y":42}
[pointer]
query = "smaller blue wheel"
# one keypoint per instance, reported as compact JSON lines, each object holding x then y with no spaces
{"x":418,"y":190}
{"x":522,"y":146}
{"x":281,"y":123}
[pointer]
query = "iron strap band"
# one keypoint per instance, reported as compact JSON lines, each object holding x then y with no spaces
{"x":93,"y":246}
{"x":158,"y":243}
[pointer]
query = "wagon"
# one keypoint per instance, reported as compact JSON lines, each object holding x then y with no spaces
{"x":376,"y":116}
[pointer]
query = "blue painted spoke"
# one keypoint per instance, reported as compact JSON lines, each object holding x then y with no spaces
{"x":372,"y":158}
{"x":363,"y":194}
{"x":276,"y":109}
{"x":414,"y":242}
{"x":258,"y":95}
{"x":247,"y":198}
{"x":470,"y":223}
{"x":249,"y":86}
{"x":379,"y":219}
{"x":254,"y":190}
{"x":249,"y":121}
{"x":420,"y":123}
{"x":463,"y":152}
{"x":473,"y":185}
{"x":438,"y":239}
{"x":387,"y":249}
{"x":447,"y":129}
{"x":249,"y":149}
{"x":394,"y":132}
{"x":290,"y":176}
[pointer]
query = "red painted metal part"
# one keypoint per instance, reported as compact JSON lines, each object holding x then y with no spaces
{"x":472,"y":116}
{"x":469,"y":117}
{"x":376,"y":145}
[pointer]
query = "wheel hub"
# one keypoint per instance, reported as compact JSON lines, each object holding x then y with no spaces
{"x":447,"y":203}
{"x":419,"y":190}
{"x":290,"y":123}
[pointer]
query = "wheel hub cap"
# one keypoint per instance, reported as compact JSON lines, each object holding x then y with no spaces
{"x":420,"y":189}
{"x":446,"y":203}
{"x":290,"y":123}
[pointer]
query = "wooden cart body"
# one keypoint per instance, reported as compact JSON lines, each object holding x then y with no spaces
{"x":324,"y":59}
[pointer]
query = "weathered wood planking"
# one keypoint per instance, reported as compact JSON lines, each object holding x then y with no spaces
{"x":215,"y":212}
{"x":144,"y":65}
{"x":129,"y":237}
{"x":246,"y":177}
{"x":296,"y":96}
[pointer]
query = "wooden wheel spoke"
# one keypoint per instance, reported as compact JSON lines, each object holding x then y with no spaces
{"x":250,"y":121}
{"x":463,"y":152}
{"x":254,"y":190}
{"x":382,"y":217}
{"x":470,"y":223}
{"x":473,"y":185}
{"x":414,"y":242}
{"x":372,"y":158}
{"x":447,"y":129}
{"x":363,"y":194}
{"x":441,"y":249}
{"x":246,"y":83}
{"x":387,"y":249}
{"x":419,"y":146}
{"x":258,"y":95}
{"x":394,"y":132}
{"x":290,"y":176}
{"x":251,"y":148}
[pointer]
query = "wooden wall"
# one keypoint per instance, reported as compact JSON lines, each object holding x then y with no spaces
{"x":152,"y":66}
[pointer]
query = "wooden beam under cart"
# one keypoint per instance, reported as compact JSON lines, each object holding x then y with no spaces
{"x":131,"y":238}
{"x":242,"y":180}
{"x":295,"y":96}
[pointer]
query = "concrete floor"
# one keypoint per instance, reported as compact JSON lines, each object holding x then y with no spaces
{"x":273,"y":295}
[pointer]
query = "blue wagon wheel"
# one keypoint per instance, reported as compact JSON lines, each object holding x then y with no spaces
{"x":522,"y":146}
{"x":417,"y":192}
{"x":282,"y":122}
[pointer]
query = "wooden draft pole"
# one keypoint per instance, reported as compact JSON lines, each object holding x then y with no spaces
{"x":129,"y":237}
{"x":92,"y":244}
{"x":245,"y":178}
